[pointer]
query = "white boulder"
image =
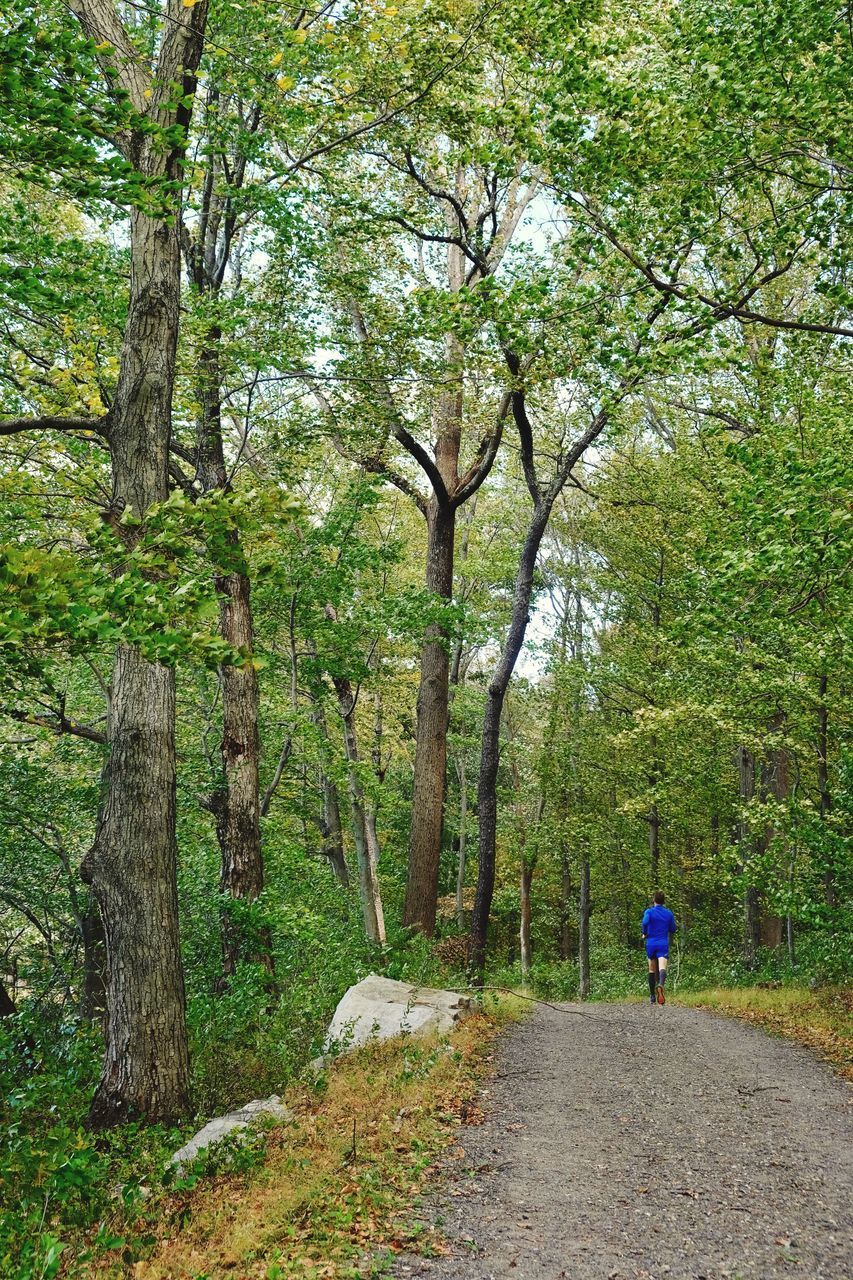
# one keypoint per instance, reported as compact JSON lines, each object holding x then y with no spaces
{"x":215,"y":1130}
{"x":379,"y":1008}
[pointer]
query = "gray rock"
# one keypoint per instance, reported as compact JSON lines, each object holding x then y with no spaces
{"x":379,"y":1008}
{"x":215,"y":1130}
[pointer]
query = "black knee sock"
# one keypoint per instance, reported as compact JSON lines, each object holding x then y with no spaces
{"x":662,"y":977}
{"x":652,"y":981}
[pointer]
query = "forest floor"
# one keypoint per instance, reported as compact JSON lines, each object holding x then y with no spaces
{"x":629,"y":1142}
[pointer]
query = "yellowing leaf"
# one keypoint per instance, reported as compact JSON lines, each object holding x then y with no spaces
{"x":188,"y":4}
{"x":299,"y":36}
{"x":285,"y":82}
{"x":274,"y":62}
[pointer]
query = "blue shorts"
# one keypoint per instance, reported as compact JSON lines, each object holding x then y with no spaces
{"x":657,"y":948}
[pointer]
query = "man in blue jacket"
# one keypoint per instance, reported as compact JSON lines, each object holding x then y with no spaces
{"x":658,"y":928}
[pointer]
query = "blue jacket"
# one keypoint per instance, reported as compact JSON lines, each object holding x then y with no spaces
{"x":658,"y":922}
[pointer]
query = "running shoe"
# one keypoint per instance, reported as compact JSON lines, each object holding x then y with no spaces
{"x":661,"y":996}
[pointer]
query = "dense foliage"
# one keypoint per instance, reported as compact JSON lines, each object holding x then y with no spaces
{"x":476,"y":331}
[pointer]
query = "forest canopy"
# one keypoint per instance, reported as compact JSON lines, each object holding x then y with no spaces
{"x":425,"y":521}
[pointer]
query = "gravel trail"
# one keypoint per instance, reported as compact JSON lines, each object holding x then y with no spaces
{"x":637,"y":1142}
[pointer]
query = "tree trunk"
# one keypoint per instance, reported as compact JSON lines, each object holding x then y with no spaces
{"x":242,"y":866}
{"x":490,"y":746}
{"x":774,"y":780}
{"x":370,"y":809}
{"x":367,"y":852}
{"x":829,"y":890}
{"x":565,"y":906}
{"x":7,"y":1004}
{"x":583,"y":931}
{"x":524,"y":931}
{"x":333,"y":840}
{"x":132,"y":864}
{"x":334,"y":843}
{"x":431,"y":735}
{"x":93,"y":990}
{"x":751,"y":904}
{"x":463,"y":843}
{"x":236,"y":800}
{"x":132,"y":870}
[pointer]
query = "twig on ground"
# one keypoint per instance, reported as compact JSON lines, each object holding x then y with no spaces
{"x":466,"y":991}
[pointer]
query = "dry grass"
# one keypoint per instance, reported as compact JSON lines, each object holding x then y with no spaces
{"x":321,"y":1206}
{"x":821,"y":1019}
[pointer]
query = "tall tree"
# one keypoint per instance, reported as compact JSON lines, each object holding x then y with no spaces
{"x":132,"y":864}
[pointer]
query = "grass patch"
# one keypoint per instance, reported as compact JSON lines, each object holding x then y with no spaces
{"x":821,"y":1019}
{"x":339,"y":1182}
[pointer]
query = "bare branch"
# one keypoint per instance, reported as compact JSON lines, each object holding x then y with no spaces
{"x":485,"y":457}
{"x":728,"y":418}
{"x":277,"y":776}
{"x":522,"y":422}
{"x":58,"y":723}
{"x":376,"y":464}
{"x":737,"y":309}
{"x":53,"y":422}
{"x":398,"y":427}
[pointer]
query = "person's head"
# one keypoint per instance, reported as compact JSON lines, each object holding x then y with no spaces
{"x":659,"y":899}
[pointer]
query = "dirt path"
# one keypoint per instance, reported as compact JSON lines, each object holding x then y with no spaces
{"x":641,"y":1142}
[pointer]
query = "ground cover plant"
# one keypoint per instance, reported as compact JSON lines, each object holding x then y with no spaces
{"x":424,"y":533}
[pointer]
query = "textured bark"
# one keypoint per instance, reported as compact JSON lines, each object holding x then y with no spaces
{"x":132,"y":869}
{"x":449,"y":492}
{"x":584,"y":911}
{"x":431,"y":735}
{"x":132,"y":864}
{"x":543,"y":502}
{"x":654,"y":840}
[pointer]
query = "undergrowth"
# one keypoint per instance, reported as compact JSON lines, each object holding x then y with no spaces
{"x":329,"y":1194}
